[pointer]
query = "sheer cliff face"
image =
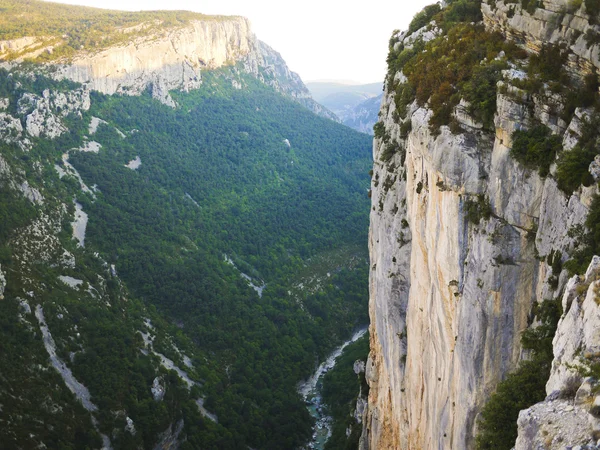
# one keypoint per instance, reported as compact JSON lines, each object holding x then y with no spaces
{"x":170,"y":60}
{"x":174,"y":58}
{"x":449,"y":298}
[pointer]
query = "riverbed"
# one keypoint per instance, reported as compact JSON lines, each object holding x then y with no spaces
{"x":311,"y":392}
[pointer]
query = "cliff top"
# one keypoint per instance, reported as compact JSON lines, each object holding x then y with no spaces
{"x":60,"y":31}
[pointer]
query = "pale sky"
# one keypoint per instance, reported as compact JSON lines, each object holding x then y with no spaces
{"x":319,"y":39}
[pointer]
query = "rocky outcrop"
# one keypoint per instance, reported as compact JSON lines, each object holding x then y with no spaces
{"x":173,"y":59}
{"x":552,"y":22}
{"x":2,"y":283}
{"x":452,"y":287}
{"x":42,"y":114}
{"x":570,"y":415}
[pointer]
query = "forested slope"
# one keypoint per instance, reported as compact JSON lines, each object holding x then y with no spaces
{"x":235,"y":250}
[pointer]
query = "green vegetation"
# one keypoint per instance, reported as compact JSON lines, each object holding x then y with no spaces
{"x":530,"y":5}
{"x":15,"y":212}
{"x":341,"y":387}
{"x":266,"y":205}
{"x":592,"y":7}
{"x":423,"y":17}
{"x":460,"y":64}
{"x":536,"y":148}
{"x":454,"y":60}
{"x":21,"y":354}
{"x":547,"y":74}
{"x":574,"y":5}
{"x":548,"y":64}
{"x":522,"y":388}
{"x":72,"y":28}
{"x":573,"y":169}
{"x":216,"y":179}
{"x":478,"y":209}
{"x":573,"y":166}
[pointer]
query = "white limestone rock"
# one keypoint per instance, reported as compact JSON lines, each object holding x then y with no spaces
{"x":10,"y":128}
{"x":595,"y":168}
{"x":359,"y":410}
{"x":134,"y":164}
{"x":46,"y":124}
{"x":577,"y":337}
{"x":359,"y":367}
{"x":585,"y":391}
{"x":42,"y":114}
{"x":558,"y":214}
{"x":461,"y":114}
{"x":31,"y":193}
{"x":554,"y":21}
{"x":449,"y":299}
{"x":167,"y":59}
{"x":90,"y":147}
{"x":129,"y":425}
{"x":553,"y":425}
{"x":158,"y":389}
{"x":18,"y":45}
{"x":95,"y":122}
{"x":79,"y":224}
{"x":70,"y":281}
{"x":2,"y":283}
{"x":576,"y":345}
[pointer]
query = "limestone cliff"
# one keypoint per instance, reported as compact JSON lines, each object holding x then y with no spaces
{"x":170,"y":58}
{"x":461,"y":233}
{"x":570,"y":415}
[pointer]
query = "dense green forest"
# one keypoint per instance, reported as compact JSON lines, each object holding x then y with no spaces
{"x":235,"y":187}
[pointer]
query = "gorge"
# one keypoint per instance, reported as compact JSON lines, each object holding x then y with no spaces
{"x":189,"y":233}
{"x":183,"y":233}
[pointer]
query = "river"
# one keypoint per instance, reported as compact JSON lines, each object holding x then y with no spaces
{"x":311,"y":392}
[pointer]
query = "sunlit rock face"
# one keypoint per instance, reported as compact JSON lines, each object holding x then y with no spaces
{"x":174,"y":58}
{"x":170,"y":60}
{"x":449,"y":298}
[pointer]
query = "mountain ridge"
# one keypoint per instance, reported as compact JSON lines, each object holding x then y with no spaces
{"x":162,"y":51}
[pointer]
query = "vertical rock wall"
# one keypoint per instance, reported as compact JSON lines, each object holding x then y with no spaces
{"x":449,"y":298}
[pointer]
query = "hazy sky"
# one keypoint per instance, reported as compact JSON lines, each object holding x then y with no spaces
{"x":319,"y":39}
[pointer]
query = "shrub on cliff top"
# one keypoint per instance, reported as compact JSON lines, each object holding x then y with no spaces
{"x":451,"y":67}
{"x":423,"y":17}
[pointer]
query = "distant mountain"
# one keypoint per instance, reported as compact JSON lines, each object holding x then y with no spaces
{"x":356,"y":105}
{"x":364,"y":115}
{"x":322,"y":89}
